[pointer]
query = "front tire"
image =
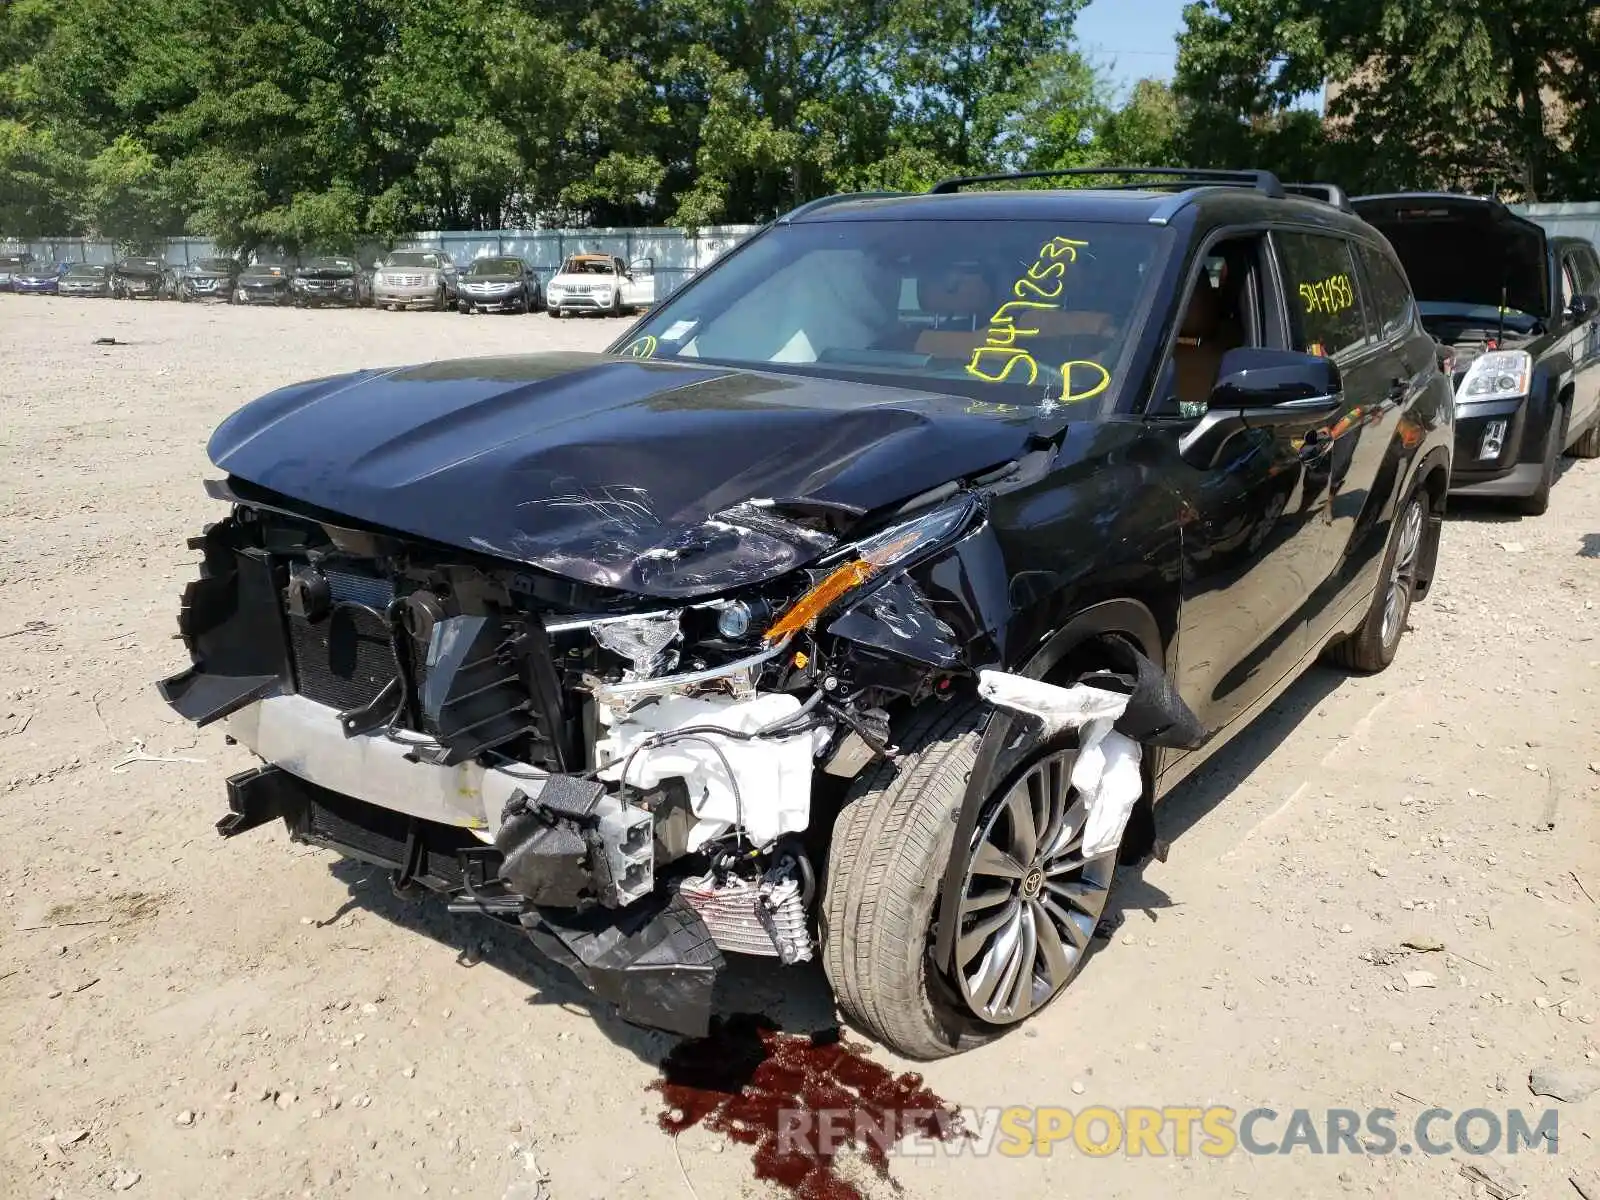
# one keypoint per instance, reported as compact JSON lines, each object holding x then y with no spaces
{"x":555,"y":314}
{"x":1372,"y":647}
{"x":1537,"y":503}
{"x":1588,"y":446}
{"x":1028,"y":903}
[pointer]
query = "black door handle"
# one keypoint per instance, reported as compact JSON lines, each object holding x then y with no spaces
{"x":1398,"y":388}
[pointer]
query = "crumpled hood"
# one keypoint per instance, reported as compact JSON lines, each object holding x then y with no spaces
{"x":614,"y":472}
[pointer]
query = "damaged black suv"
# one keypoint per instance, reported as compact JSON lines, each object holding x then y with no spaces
{"x":861,"y":601}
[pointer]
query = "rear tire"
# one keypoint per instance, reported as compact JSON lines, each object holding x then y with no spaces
{"x":1372,"y":647}
{"x":1538,"y":502}
{"x":1587,"y":446}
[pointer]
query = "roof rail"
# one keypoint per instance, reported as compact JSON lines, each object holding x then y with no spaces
{"x":1328,"y":193}
{"x":1262,"y":181}
{"x":825,"y":201}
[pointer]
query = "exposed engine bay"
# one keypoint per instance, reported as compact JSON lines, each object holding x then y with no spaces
{"x":1465,"y":339}
{"x":509,"y":738}
{"x":640,"y":787}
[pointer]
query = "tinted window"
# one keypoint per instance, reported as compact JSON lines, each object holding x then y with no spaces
{"x":1390,"y":293}
{"x":1585,"y":270}
{"x":1324,"y":305}
{"x":1010,"y":312}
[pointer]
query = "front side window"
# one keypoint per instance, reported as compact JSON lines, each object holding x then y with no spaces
{"x":1320,"y":281}
{"x":1011,"y":312}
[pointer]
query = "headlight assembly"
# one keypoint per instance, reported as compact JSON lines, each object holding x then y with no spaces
{"x":1502,"y":375}
{"x":871,"y":559}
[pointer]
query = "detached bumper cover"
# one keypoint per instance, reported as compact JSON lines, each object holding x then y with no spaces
{"x":655,"y":960}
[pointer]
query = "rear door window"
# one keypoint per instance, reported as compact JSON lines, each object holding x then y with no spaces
{"x":1325,"y":305}
{"x":1390,"y":293}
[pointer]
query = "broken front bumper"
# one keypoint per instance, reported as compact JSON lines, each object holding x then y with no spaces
{"x":654,"y":960}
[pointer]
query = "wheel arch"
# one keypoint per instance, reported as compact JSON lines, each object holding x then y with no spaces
{"x":1001,"y":754}
{"x":1432,"y":476}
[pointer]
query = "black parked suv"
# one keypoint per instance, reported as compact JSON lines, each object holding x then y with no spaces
{"x":758,"y":631}
{"x":1520,"y":314}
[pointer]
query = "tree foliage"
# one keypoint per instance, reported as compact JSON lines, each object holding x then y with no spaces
{"x":324,"y":123}
{"x":1450,"y":94}
{"x":300,"y":122}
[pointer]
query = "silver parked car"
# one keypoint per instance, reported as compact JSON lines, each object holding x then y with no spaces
{"x":416,"y":279}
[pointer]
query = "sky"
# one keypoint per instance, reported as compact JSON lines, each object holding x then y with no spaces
{"x":1133,"y":38}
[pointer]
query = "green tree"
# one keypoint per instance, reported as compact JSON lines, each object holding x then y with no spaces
{"x":1431,"y":93}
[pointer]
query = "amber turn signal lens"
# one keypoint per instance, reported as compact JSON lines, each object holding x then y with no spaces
{"x":833,"y":585}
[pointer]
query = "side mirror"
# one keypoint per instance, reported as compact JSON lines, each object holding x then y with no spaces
{"x":1260,"y":389}
{"x":1584,"y":306}
{"x":642,"y":266}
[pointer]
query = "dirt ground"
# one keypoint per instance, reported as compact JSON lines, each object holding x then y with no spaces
{"x":191,"y":1018}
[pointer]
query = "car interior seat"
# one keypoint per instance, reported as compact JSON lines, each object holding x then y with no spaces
{"x":1208,"y":332}
{"x":961,"y":302}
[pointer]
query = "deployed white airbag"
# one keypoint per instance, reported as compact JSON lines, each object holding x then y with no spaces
{"x":769,"y":791}
{"x":1106,"y":772}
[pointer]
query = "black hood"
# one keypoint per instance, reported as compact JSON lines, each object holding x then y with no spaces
{"x":1464,"y":249}
{"x":615,"y":472}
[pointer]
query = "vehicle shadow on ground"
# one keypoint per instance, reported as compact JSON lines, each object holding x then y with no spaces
{"x":1193,"y":799}
{"x":1489,"y":510}
{"x":1589,"y":546}
{"x":797,"y":998}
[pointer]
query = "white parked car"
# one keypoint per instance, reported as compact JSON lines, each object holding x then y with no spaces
{"x":601,"y":283}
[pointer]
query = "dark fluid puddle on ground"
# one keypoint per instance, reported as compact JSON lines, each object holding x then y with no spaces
{"x":799,"y":1101}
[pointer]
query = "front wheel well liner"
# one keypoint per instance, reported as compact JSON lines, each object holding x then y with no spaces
{"x":1064,"y":650}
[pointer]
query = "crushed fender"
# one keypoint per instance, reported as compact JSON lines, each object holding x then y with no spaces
{"x":1106,"y":771}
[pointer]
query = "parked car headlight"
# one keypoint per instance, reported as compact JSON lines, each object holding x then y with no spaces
{"x":871,"y":559}
{"x":1501,"y":375}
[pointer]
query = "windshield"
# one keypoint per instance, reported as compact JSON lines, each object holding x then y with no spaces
{"x":1011,"y":311}
{"x":260,"y":271}
{"x":12,"y":262}
{"x":85,"y":271}
{"x":216,"y":266}
{"x":588,"y":266}
{"x":414,"y":258}
{"x":329,"y":264}
{"x":139,"y":264}
{"x":494,"y":266}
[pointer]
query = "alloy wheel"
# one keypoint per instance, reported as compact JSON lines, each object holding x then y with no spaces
{"x":1402,"y":573}
{"x":1030,"y":900}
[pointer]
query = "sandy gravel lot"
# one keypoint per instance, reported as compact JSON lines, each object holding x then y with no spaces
{"x":189,"y":1018}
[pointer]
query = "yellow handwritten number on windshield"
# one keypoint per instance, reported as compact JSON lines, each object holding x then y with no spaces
{"x":642,"y":347}
{"x":1037,"y":291}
